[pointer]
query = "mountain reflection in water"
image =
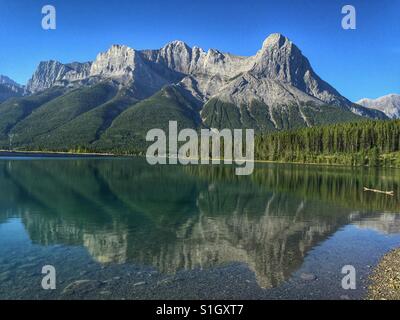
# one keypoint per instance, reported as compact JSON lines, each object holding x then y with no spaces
{"x":180,"y":218}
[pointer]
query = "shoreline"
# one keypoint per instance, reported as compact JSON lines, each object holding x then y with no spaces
{"x":8,"y":153}
{"x":55,"y":154}
{"x":385,"y":278}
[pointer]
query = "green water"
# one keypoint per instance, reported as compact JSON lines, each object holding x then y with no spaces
{"x":125,"y":229}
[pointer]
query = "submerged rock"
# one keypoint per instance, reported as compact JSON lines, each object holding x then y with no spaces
{"x":308,"y":276}
{"x":142,"y":283}
{"x":81,"y":287}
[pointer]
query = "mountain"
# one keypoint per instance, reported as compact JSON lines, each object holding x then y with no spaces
{"x":9,"y":88}
{"x":282,"y":80}
{"x":111,"y":102}
{"x":122,"y":64}
{"x":389,"y":104}
{"x":14,"y":110}
{"x":128,"y":131}
{"x":51,"y":73}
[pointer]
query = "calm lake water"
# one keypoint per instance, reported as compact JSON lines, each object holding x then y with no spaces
{"x":117,"y":228}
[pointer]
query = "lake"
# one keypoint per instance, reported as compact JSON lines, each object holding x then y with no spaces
{"x":118,"y":228}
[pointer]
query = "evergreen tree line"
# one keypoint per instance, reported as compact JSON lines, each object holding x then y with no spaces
{"x":364,"y":143}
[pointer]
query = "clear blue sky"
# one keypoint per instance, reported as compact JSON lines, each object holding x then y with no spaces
{"x":359,"y":63}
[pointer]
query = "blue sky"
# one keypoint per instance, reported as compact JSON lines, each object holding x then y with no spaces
{"x":359,"y":63}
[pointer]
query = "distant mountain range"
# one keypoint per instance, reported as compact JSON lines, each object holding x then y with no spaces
{"x":9,"y":88}
{"x":110,"y":103}
{"x":389,"y":104}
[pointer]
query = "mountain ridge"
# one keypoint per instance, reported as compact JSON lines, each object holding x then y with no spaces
{"x":9,"y":88}
{"x":275,"y":89}
{"x":389,"y":104}
{"x":201,"y":72}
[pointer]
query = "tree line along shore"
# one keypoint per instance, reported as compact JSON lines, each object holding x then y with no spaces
{"x":362,"y":143}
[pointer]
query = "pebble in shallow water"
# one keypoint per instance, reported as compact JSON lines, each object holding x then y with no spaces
{"x":80,"y":287}
{"x":308,"y":276}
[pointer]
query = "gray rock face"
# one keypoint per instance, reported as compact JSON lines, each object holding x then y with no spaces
{"x":277,"y":74}
{"x":4,"y":80}
{"x":176,"y":56}
{"x":129,"y":67}
{"x":279,"y":59}
{"x":118,"y":61}
{"x":389,"y":104}
{"x":51,"y":73}
{"x":9,"y":88}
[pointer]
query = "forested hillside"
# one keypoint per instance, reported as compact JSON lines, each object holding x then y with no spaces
{"x":373,"y":143}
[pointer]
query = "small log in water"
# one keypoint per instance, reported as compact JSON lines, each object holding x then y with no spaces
{"x":390,"y":193}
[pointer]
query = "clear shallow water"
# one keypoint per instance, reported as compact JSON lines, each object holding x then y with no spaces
{"x":124,"y":229}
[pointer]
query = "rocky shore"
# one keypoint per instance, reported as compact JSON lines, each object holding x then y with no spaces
{"x":385,"y":280}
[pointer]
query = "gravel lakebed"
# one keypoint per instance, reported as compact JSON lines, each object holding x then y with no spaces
{"x":385,"y":279}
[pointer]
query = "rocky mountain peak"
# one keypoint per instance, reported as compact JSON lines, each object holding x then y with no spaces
{"x":177,"y":44}
{"x":389,"y":104}
{"x":275,"y":40}
{"x":7,"y":81}
{"x":277,"y":73}
{"x":118,"y":50}
{"x":280,"y":59}
{"x":118,"y":61}
{"x":50,"y":73}
{"x":46,"y":75}
{"x":176,"y":55}
{"x":9,"y":88}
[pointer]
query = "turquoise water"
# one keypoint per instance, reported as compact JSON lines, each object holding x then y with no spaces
{"x":117,"y":228}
